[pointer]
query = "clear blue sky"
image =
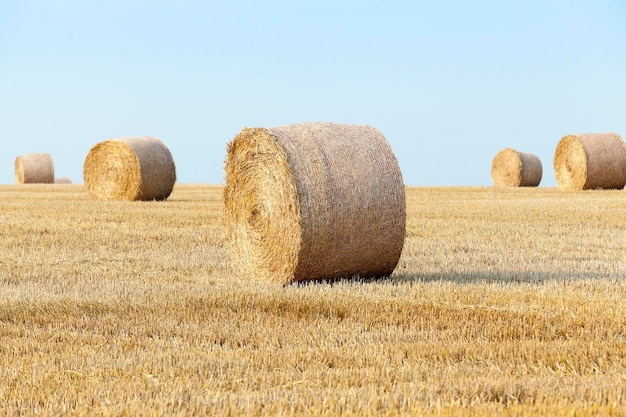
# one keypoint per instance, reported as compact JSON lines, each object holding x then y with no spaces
{"x":449,"y":83}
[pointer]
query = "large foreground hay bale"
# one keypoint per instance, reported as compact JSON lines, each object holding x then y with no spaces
{"x":133,"y":168}
{"x":590,"y":161}
{"x":511,"y":168}
{"x":34,"y":168}
{"x":313,"y":201}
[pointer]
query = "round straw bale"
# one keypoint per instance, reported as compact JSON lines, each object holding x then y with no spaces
{"x":62,"y":180}
{"x":511,"y":168}
{"x":313,"y":201}
{"x":34,"y":168}
{"x":133,"y":168}
{"x":590,"y":161}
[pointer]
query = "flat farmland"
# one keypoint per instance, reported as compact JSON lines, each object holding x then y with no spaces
{"x":507,"y":301}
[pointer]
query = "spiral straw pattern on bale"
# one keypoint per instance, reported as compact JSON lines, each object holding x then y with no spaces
{"x":34,"y":168}
{"x":313,"y":201}
{"x":511,"y":168}
{"x":590,"y":161}
{"x":133,"y":168}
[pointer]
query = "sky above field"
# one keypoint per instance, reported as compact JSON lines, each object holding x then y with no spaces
{"x":449,"y":83}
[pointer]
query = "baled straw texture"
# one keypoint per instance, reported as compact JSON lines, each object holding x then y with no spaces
{"x":590,"y":161}
{"x":62,"y":180}
{"x":511,"y":168}
{"x":34,"y":168}
{"x":313,"y":201}
{"x":133,"y":168}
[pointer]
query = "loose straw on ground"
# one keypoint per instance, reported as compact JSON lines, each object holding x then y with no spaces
{"x":133,"y":168}
{"x":511,"y":168}
{"x":590,"y":161}
{"x":313,"y":201}
{"x":34,"y":168}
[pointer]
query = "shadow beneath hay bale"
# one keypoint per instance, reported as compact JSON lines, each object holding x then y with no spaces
{"x":335,"y":281}
{"x":477,"y":277}
{"x":504,"y":277}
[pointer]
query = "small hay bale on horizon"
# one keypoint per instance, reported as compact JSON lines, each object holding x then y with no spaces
{"x":590,"y":161}
{"x":62,"y":180}
{"x":511,"y":168}
{"x":313,"y":201}
{"x":34,"y":168}
{"x":130,"y":168}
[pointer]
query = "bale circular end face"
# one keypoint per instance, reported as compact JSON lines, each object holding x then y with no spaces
{"x":136,"y":168}
{"x":34,"y":168}
{"x":313,"y":201}
{"x":262,"y":208}
{"x":590,"y":161}
{"x":511,"y":168}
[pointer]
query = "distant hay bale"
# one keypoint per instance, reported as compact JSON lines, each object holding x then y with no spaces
{"x":34,"y":168}
{"x":313,"y":201}
{"x":511,"y":168}
{"x":590,"y":161}
{"x":133,"y":168}
{"x":62,"y":180}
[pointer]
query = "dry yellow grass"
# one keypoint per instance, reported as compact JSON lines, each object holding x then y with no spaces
{"x":508,"y":301}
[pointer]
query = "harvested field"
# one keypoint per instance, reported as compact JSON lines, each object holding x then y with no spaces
{"x":505,"y":300}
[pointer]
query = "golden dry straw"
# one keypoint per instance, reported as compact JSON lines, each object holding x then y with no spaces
{"x":132,"y":168}
{"x":34,"y":168}
{"x":590,"y":161}
{"x":511,"y":168}
{"x":62,"y":180}
{"x":313,"y":201}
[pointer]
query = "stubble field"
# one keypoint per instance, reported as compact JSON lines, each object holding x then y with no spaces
{"x":509,"y":301}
